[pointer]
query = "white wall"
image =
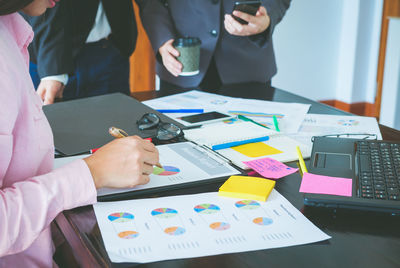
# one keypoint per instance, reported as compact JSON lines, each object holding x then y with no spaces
{"x":390,"y":106}
{"x":329,"y":49}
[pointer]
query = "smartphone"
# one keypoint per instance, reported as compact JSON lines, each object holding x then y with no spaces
{"x":249,"y":7}
{"x":204,"y":118}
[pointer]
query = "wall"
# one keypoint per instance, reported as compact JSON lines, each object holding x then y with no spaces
{"x":329,"y":49}
{"x":390,"y":108}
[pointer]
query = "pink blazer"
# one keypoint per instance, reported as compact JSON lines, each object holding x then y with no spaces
{"x":31,"y":192}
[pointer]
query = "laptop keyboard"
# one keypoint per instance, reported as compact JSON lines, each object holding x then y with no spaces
{"x":379,"y":170}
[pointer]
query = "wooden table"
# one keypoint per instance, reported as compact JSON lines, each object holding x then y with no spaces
{"x":359,"y":239}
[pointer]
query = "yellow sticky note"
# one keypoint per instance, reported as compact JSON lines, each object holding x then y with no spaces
{"x":246,"y":187}
{"x":256,"y":149}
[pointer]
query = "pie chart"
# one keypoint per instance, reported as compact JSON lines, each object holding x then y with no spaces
{"x":220,"y":226}
{"x":128,"y":234}
{"x":247,"y":204}
{"x":263,"y":221}
{"x":165,"y":171}
{"x":164,"y":213}
{"x":120,"y":217}
{"x":207,"y":208}
{"x":175,"y":230}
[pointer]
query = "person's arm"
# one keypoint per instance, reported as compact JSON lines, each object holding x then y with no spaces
{"x":157,"y":22}
{"x":51,"y":49}
{"x":262,"y":25}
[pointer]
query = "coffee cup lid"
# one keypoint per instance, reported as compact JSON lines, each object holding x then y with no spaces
{"x":186,"y":42}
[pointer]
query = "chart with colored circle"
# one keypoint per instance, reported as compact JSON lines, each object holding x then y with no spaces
{"x":128,"y":234}
{"x":247,"y":204}
{"x":164,"y":213}
{"x":175,"y":230}
{"x":220,"y":226}
{"x":348,"y":123}
{"x":120,"y":217}
{"x":207,"y":208}
{"x":263,"y":221}
{"x":166,"y":171}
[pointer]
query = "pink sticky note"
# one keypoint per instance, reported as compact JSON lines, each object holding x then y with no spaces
{"x":270,"y":168}
{"x":319,"y":184}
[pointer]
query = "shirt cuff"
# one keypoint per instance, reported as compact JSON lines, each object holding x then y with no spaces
{"x":62,"y":78}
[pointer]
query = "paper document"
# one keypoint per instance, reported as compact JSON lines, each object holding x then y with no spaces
{"x":182,"y":162}
{"x":289,"y":115}
{"x":325,"y":124}
{"x":278,"y":147}
{"x":149,"y":230}
{"x":221,"y":133}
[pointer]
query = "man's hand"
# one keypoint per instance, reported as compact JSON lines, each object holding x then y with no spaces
{"x":48,"y":90}
{"x":257,"y":24}
{"x":169,"y":54}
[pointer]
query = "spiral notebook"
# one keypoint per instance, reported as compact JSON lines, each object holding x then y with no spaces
{"x":277,"y":146}
{"x":224,"y":135}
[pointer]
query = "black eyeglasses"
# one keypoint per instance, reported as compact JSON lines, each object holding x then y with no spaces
{"x":165,"y":131}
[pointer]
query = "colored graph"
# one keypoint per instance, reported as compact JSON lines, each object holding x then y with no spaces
{"x":128,"y":234}
{"x":207,"y":208}
{"x":263,"y":221}
{"x":247,"y":204}
{"x":165,"y":170}
{"x":175,"y":230}
{"x":120,"y":217}
{"x":220,"y":226}
{"x":348,"y":123}
{"x":164,"y":213}
{"x":256,"y":114}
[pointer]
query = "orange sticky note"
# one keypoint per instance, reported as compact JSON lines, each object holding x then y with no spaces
{"x":247,"y":187}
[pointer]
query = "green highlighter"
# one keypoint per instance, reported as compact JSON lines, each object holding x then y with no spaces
{"x":244,"y":118}
{"x":276,"y":123}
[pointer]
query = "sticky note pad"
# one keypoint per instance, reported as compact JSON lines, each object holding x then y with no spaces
{"x":256,"y":149}
{"x":270,"y":168}
{"x":319,"y":184}
{"x":247,"y":188}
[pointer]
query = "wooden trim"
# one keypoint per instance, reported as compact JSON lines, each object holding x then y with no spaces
{"x":358,"y":108}
{"x":391,"y":8}
{"x":142,"y":62}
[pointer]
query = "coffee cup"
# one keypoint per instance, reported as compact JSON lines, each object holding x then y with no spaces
{"x":189,"y":54}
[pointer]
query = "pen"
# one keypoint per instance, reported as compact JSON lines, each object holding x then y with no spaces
{"x":276,"y":123}
{"x":244,"y":118}
{"x":119,"y":133}
{"x":301,"y":160}
{"x":237,"y":143}
{"x":180,"y":110}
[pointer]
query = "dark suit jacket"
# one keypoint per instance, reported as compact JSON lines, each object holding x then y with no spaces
{"x":238,"y":59}
{"x":62,"y":31}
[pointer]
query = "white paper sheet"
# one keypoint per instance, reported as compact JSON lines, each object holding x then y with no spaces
{"x":325,"y":124}
{"x":182,"y":163}
{"x":289,"y":115}
{"x":205,"y":224}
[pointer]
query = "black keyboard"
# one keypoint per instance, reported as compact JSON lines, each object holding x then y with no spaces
{"x":378,"y":169}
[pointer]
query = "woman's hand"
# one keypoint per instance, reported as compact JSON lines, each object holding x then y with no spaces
{"x":169,"y":54}
{"x":257,"y":24}
{"x":123,"y":163}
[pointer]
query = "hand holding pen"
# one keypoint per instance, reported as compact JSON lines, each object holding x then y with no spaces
{"x":123,"y":163}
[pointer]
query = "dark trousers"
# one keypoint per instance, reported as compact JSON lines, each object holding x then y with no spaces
{"x":99,"y":69}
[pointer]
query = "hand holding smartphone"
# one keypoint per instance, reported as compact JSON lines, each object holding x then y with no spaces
{"x":249,"y":7}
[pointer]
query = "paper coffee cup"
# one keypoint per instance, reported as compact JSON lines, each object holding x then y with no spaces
{"x":189,"y":54}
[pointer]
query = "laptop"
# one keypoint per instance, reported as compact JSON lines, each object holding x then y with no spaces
{"x":374,"y":167}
